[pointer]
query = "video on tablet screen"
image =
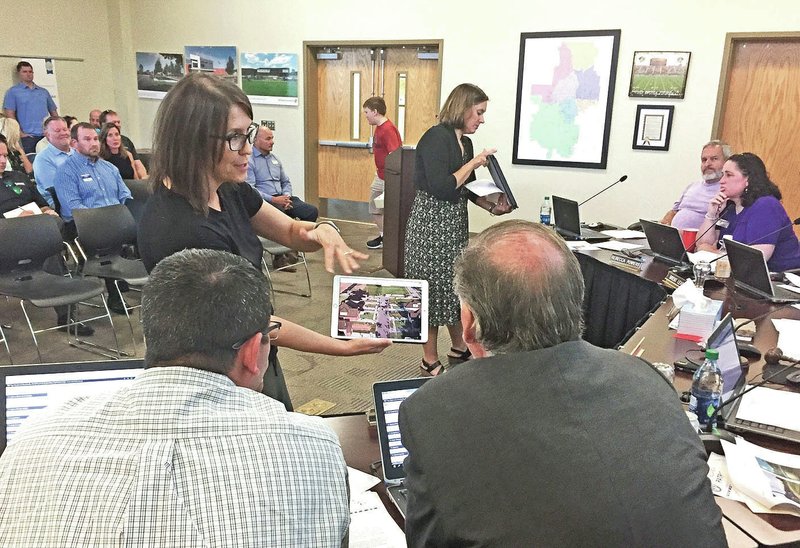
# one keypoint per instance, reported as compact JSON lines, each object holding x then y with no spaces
{"x":380,"y":308}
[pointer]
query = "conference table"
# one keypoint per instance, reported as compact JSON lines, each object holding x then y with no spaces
{"x":617,"y":300}
{"x":359,"y":443}
{"x":610,"y":287}
{"x":658,"y":344}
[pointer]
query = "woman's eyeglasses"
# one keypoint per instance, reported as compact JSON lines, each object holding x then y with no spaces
{"x":269,"y":333}
{"x":237,"y":140}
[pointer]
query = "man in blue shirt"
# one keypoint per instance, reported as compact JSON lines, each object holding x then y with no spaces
{"x":52,"y":157}
{"x":29,"y":104}
{"x":87,"y":181}
{"x":265,"y":173}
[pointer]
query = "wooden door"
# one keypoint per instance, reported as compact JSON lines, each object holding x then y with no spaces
{"x":339,"y":162}
{"x":344,"y":84}
{"x":757,"y":105}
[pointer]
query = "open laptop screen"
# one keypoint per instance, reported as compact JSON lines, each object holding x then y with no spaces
{"x":566,"y":215}
{"x":748,"y":267}
{"x":724,"y":340}
{"x":27,"y":390}
{"x":388,"y":397}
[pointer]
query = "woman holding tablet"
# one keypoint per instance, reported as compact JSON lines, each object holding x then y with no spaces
{"x":437,"y":228}
{"x":202,"y":140}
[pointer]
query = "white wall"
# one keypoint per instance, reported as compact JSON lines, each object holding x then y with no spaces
{"x":481,"y":45}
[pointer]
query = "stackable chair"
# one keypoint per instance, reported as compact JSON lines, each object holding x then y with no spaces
{"x":140,"y":193}
{"x":25,"y":244}
{"x":103,"y":233}
{"x":274,"y":248}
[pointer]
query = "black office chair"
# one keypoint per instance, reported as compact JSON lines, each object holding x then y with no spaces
{"x":103,"y":232}
{"x":25,"y":244}
{"x":140,"y":193}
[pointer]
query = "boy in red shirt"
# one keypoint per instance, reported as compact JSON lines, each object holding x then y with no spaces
{"x":385,"y":140}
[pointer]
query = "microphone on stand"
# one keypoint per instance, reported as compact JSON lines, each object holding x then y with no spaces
{"x":623,"y":178}
{"x":728,"y":206}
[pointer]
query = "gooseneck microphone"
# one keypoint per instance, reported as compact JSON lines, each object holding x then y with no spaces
{"x":728,"y":206}
{"x":772,"y":357}
{"x":623,"y":178}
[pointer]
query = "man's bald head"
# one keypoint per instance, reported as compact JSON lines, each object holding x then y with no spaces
{"x":265,"y":140}
{"x":523,"y":285}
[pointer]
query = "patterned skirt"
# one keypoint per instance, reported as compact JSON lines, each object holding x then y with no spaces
{"x":437,"y":231}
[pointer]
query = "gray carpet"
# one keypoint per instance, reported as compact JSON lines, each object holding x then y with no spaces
{"x":335,"y":385}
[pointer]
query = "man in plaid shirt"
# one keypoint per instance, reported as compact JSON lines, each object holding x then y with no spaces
{"x":189,"y":453}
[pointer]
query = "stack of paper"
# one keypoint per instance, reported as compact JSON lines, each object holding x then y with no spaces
{"x":371,"y":526}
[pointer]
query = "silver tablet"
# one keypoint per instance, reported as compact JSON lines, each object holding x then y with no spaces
{"x":380,"y":308}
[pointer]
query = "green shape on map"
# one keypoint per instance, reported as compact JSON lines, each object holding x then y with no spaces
{"x":552,"y":131}
{"x":584,"y":55}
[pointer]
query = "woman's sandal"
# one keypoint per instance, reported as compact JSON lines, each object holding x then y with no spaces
{"x":462,"y":355}
{"x":431,"y":369}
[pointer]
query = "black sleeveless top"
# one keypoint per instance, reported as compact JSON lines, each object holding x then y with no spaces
{"x":123,"y":164}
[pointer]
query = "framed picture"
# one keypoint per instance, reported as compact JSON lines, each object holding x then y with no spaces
{"x":653,"y":127}
{"x":565,"y":90}
{"x":659,"y":74}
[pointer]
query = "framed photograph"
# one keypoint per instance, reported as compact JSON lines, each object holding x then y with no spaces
{"x":659,"y":74}
{"x":653,"y":127}
{"x":270,"y":78}
{"x":565,"y":91}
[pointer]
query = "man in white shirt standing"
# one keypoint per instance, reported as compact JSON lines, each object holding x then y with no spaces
{"x":189,"y":453}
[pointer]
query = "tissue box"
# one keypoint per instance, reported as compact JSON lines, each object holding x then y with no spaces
{"x":695,"y":324}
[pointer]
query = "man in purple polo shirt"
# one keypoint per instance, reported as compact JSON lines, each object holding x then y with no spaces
{"x":29,"y":104}
{"x":689,"y":209}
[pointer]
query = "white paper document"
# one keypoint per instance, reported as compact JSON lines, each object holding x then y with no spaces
{"x":788,"y":336}
{"x":774,"y":407}
{"x":483,"y":187}
{"x":371,"y":526}
{"x":581,"y":245}
{"x":30,"y":206}
{"x":617,"y":246}
{"x":624,"y":234}
{"x":765,"y":480}
{"x":794,"y":279}
{"x":360,"y":482}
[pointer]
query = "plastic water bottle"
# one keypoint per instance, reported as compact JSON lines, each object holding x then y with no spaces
{"x":706,"y":390}
{"x":544,"y":211}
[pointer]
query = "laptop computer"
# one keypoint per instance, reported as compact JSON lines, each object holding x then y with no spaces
{"x":666,"y":244}
{"x":388,"y":397}
{"x":500,"y":180}
{"x":749,"y":272}
{"x":568,"y":222}
{"x":735,"y":382}
{"x":27,"y":390}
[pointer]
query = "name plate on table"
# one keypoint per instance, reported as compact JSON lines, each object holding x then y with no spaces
{"x":627,"y":263}
{"x":672,"y":280}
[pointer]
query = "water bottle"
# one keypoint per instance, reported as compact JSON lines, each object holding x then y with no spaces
{"x":544,"y":211}
{"x":706,"y":390}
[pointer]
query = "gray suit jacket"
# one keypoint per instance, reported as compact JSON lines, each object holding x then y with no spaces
{"x":566,"y":446}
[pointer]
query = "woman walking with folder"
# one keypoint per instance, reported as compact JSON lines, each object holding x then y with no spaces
{"x":438,"y":226}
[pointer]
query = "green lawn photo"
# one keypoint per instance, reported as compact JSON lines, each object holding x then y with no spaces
{"x":669,"y":85}
{"x":270,"y":88}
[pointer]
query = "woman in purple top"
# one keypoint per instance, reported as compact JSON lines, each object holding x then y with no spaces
{"x":748,"y":204}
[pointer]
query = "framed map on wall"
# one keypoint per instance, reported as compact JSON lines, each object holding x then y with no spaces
{"x":565,"y":91}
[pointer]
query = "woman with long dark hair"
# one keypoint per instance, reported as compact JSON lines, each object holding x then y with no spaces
{"x":754,"y":214}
